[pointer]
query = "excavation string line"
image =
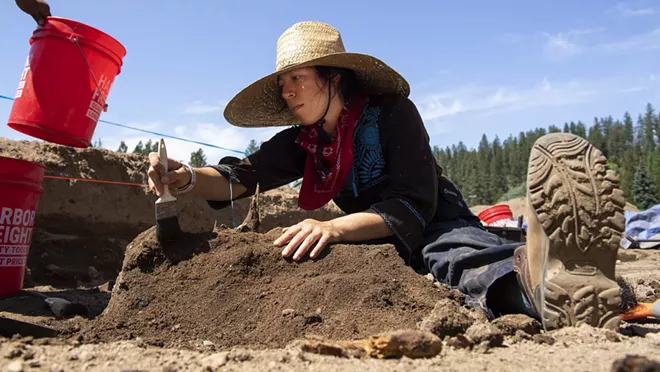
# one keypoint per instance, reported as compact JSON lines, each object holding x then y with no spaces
{"x":157,"y":133}
{"x":96,"y":181}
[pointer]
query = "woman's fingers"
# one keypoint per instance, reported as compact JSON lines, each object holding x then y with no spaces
{"x":294,"y":243}
{"x":175,"y":176}
{"x":310,"y":239}
{"x":320,"y":246}
{"x":286,"y":236}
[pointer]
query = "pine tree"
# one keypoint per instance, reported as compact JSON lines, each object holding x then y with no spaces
{"x":197,"y":159}
{"x":648,"y":129}
{"x":139,"y":148}
{"x":122,"y":147}
{"x":644,"y":190}
{"x":146,"y":148}
{"x":252,"y":147}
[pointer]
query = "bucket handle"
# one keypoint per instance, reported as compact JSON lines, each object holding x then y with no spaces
{"x":75,"y":40}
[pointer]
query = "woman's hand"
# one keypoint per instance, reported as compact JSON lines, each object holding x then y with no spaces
{"x":305,"y":235}
{"x":38,"y":9}
{"x":176,"y":177}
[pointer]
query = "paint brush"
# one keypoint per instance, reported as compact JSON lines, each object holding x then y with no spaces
{"x":167,"y":222}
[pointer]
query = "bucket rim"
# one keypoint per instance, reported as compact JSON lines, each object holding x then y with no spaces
{"x":497,"y":208}
{"x":72,"y":22}
{"x":32,"y":163}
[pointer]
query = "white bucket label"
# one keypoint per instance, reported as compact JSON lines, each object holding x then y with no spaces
{"x":21,"y":83}
{"x":98,"y":98}
{"x":16,"y":226}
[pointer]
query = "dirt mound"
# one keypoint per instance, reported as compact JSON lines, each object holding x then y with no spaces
{"x":236,"y":289}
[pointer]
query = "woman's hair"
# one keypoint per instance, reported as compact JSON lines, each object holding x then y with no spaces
{"x":348,"y":83}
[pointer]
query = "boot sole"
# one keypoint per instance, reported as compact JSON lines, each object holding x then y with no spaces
{"x":579,"y":205}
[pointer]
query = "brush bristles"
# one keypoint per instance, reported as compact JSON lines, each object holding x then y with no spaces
{"x":628,"y":296}
{"x":166,"y":210}
{"x":167,"y":230}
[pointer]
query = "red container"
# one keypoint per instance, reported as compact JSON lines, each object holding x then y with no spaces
{"x":20,"y":188}
{"x":497,"y":215}
{"x":65,"y":82}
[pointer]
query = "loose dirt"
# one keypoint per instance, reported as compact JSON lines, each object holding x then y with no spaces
{"x":237,"y":290}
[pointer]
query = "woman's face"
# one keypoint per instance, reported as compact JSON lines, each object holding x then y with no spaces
{"x":305,"y":94}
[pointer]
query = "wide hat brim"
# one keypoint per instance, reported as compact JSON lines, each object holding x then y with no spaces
{"x":261,"y":104}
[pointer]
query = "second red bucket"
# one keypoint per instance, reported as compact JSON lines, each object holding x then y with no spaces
{"x":497,"y":215}
{"x":65,"y":82}
{"x":20,"y":188}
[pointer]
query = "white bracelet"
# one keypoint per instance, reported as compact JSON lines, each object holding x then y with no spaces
{"x":191,"y":184}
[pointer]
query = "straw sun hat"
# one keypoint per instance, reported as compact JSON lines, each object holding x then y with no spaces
{"x":307,"y":44}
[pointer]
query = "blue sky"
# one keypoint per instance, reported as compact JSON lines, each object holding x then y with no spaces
{"x":494,"y":67}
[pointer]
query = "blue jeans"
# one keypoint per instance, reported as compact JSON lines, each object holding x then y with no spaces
{"x":478,"y":263}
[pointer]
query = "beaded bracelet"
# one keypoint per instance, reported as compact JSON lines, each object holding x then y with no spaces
{"x":193,"y":177}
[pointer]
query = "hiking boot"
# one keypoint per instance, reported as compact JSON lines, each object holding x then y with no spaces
{"x":575,"y":224}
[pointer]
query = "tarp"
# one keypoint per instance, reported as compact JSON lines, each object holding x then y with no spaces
{"x":644,"y":225}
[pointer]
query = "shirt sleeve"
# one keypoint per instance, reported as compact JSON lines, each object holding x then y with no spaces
{"x":409,"y":201}
{"x":278,"y":162}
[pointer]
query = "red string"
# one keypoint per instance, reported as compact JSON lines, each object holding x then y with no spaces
{"x":96,"y":181}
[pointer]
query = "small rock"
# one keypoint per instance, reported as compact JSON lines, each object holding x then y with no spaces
{"x":543,"y":338}
{"x":520,"y":336}
{"x":285,"y":358}
{"x":481,"y":332}
{"x":29,"y":354}
{"x":404,"y":343}
{"x":239,"y":356}
{"x":176,"y":326}
{"x":447,"y":319}
{"x":612,"y":336}
{"x":322,"y":348}
{"x":460,"y":342}
{"x":511,"y":323}
{"x":635,"y":363}
{"x":13,"y":353}
{"x":288,"y":312}
{"x":208,"y":343}
{"x":15,"y":366}
{"x":34,"y":364}
{"x":139,"y":342}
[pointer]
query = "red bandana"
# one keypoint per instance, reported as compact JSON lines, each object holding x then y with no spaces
{"x":338,"y":155}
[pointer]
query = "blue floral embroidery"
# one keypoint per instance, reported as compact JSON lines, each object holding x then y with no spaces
{"x":368,"y":160}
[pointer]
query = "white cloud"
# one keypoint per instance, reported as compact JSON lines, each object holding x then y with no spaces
{"x":627,"y":11}
{"x":563,"y":45}
{"x":435,"y":109}
{"x":199,"y":107}
{"x":484,"y":101}
{"x":633,"y":89}
{"x":566,"y":44}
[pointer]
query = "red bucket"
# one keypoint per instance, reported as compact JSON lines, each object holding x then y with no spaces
{"x":497,"y":215}
{"x":20,"y":188}
{"x":65,"y":82}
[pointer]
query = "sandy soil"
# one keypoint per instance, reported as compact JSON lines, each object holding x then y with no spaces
{"x":195,"y":308}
